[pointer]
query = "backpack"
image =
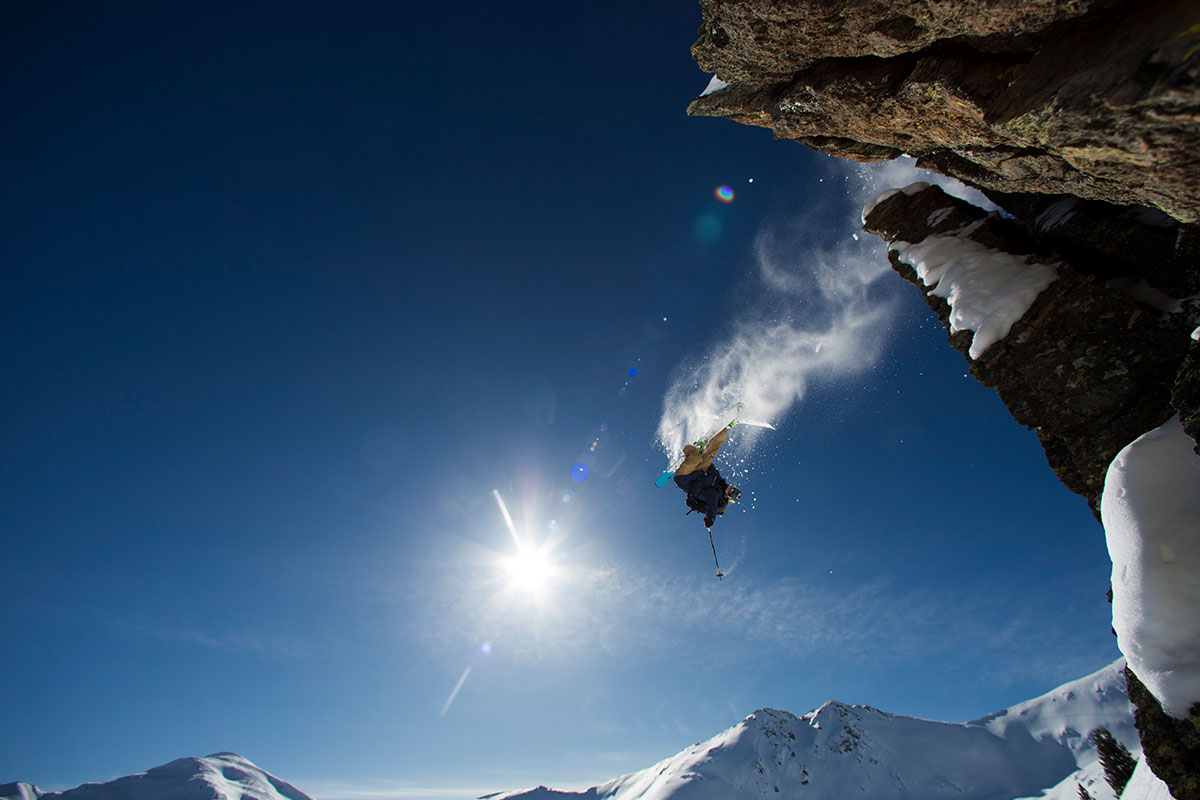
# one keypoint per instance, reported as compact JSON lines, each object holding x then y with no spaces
{"x":696,"y":504}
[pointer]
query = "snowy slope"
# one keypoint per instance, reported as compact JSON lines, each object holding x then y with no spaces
{"x":224,"y":776}
{"x":1069,"y":713}
{"x":18,"y":791}
{"x":1144,"y":785}
{"x":840,"y":751}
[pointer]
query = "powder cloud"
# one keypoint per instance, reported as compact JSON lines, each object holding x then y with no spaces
{"x":822,"y":311}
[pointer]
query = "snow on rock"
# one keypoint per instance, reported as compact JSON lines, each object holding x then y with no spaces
{"x":223,"y":776}
{"x":715,"y":84}
{"x":910,"y":190}
{"x":846,"y":751}
{"x":1151,"y":514}
{"x":1057,"y":214}
{"x":1143,"y":292}
{"x":988,"y":290}
{"x":19,"y":791}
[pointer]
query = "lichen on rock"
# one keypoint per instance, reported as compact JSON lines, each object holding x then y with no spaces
{"x":1099,"y":100}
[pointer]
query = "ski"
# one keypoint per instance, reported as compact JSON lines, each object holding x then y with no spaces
{"x":727,"y":420}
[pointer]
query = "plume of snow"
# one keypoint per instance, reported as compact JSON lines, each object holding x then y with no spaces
{"x":768,"y":367}
{"x":831,"y":320}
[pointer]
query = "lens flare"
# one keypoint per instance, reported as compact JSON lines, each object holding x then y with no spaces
{"x":454,"y":693}
{"x":724,"y":194}
{"x":707,"y":228}
{"x":579,"y":472}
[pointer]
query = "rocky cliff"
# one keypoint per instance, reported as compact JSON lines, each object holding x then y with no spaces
{"x":1095,"y":361}
{"x":1098,"y":99}
{"x":1081,"y":120}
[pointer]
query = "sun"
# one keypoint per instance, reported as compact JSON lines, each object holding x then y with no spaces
{"x":530,"y":571}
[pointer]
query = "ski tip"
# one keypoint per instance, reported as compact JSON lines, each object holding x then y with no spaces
{"x":663,"y":479}
{"x":720,"y":575}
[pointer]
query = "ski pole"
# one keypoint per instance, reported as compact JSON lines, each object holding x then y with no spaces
{"x":720,"y":574}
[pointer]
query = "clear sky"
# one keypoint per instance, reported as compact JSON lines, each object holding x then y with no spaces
{"x":294,"y":292}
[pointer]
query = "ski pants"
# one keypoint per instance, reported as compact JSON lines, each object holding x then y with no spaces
{"x":694,"y":459}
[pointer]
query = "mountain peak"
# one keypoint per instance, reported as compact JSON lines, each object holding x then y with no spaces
{"x":843,"y":750}
{"x":221,"y":776}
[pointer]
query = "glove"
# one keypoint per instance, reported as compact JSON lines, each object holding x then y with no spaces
{"x":708,"y":520}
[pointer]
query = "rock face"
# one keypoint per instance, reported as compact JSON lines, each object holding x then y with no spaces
{"x":1098,"y":99}
{"x":1093,"y":363}
{"x":1171,"y":746}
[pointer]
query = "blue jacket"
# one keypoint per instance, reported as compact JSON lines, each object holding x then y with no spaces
{"x":707,"y":485}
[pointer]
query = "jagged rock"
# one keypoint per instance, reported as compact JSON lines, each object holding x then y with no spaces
{"x":1112,"y":242}
{"x":764,"y":40}
{"x":1172,"y":746}
{"x":1088,"y":367}
{"x":1186,"y":395}
{"x":1098,"y":100}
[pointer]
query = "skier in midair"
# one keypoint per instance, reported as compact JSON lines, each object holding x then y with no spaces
{"x":706,"y":490}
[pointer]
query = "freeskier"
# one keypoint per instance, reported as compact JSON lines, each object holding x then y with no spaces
{"x":697,"y":475}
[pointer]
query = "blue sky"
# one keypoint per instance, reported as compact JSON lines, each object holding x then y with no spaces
{"x":292,"y":291}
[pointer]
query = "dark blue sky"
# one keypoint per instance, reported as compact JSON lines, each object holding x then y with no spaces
{"x":290,"y":289}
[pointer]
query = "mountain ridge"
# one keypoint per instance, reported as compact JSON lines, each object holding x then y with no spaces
{"x":840,"y":750}
{"x":1038,"y":748}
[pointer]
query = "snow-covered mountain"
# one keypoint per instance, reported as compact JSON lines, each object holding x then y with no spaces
{"x":1035,"y":749}
{"x":843,"y":751}
{"x":223,"y":776}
